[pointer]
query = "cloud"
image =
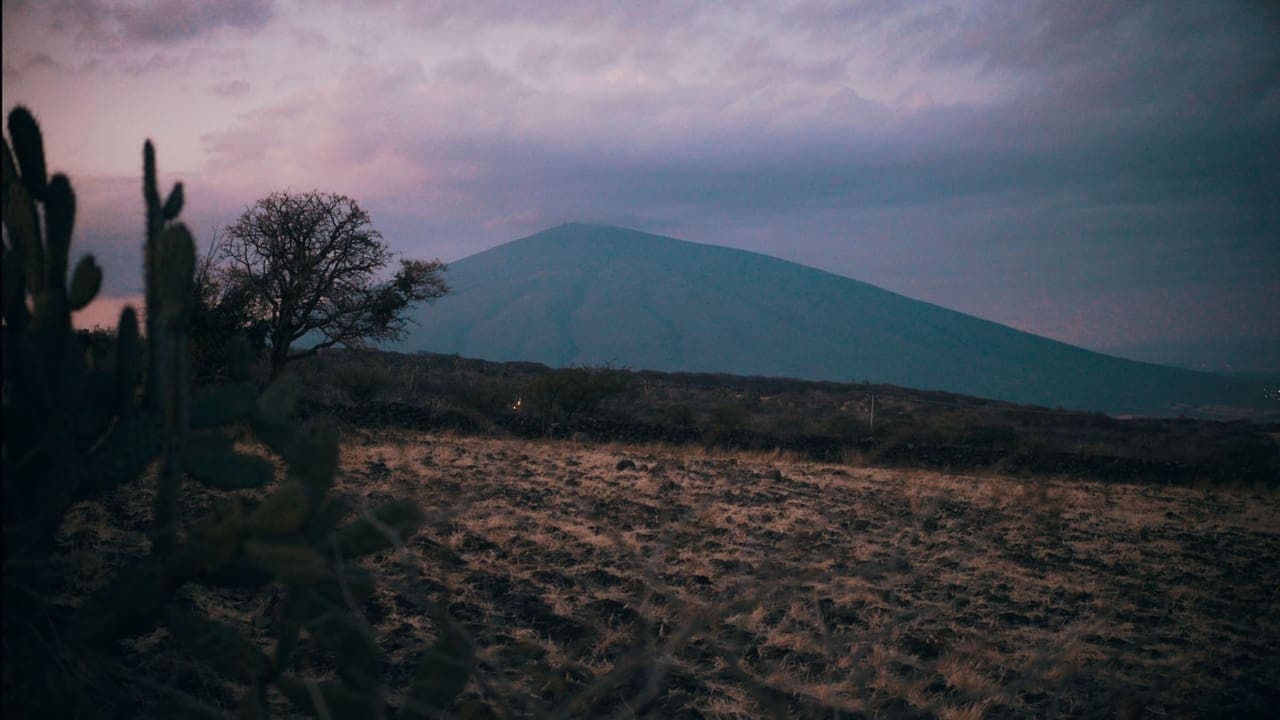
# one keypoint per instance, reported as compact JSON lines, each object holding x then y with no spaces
{"x":938,"y":148}
{"x":1179,"y":59}
{"x":768,"y":130}
{"x":164,"y":22}
{"x":230,"y":88}
{"x":538,"y":58}
{"x":32,"y":62}
{"x":580,"y":15}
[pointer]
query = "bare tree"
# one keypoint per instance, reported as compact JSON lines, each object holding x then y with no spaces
{"x":309,"y":264}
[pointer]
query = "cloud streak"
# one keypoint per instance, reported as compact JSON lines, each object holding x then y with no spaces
{"x":162,"y":22}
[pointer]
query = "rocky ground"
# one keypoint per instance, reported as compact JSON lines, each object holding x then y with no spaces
{"x":623,"y":580}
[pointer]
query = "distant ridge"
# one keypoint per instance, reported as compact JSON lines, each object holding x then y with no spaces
{"x":582,"y":294}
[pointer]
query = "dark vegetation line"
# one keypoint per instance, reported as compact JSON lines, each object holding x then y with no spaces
{"x":823,"y":421}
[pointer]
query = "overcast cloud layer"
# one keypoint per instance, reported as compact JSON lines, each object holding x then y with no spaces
{"x":1104,"y":173}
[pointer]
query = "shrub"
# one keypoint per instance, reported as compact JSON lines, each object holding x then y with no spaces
{"x":680,"y":416}
{"x":219,"y":313}
{"x":991,"y":436}
{"x":565,"y":394}
{"x":847,"y":426}
{"x":724,"y":420}
{"x":362,"y":381}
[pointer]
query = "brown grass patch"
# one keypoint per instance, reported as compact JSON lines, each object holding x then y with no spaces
{"x":736,"y":585}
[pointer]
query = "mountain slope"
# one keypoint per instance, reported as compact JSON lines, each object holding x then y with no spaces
{"x":587,"y":294}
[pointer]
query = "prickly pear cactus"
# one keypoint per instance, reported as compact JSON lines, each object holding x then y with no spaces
{"x":71,"y":432}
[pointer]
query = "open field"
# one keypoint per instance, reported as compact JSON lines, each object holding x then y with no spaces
{"x":626,"y":580}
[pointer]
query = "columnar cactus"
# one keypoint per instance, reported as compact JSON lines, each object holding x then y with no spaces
{"x":173,"y":262}
{"x":158,"y":219}
{"x":43,"y":366}
{"x":70,"y":432}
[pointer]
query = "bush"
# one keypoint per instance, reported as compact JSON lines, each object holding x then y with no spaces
{"x":848,"y":426}
{"x":680,"y":416}
{"x":363,"y":381}
{"x":724,"y":420}
{"x":219,"y":313}
{"x":566,"y":394}
{"x":991,"y":436}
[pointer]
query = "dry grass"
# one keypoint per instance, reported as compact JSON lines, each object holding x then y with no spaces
{"x":746,"y":585}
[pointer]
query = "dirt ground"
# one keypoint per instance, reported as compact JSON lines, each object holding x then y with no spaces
{"x":623,"y":581}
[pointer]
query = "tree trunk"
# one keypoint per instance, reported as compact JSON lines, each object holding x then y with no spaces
{"x":279,"y":355}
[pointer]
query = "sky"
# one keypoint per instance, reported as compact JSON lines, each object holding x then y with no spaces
{"x":1103,"y":173}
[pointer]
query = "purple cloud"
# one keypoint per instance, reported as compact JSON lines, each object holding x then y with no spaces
{"x":230,"y":88}
{"x":168,"y":22}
